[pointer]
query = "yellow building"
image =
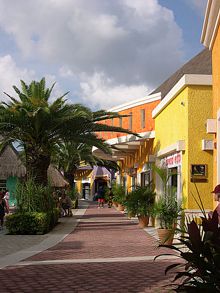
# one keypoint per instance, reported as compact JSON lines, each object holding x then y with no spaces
{"x":89,"y":179}
{"x":211,"y":39}
{"x":181,"y":143}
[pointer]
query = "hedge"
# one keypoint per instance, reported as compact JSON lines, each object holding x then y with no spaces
{"x":30,"y":223}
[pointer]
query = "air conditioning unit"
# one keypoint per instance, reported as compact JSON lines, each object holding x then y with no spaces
{"x":180,"y":145}
{"x":207,"y":145}
{"x":211,"y":126}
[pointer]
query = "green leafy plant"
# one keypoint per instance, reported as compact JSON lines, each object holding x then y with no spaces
{"x":168,"y":210}
{"x":119,"y":193}
{"x":141,"y":200}
{"x":167,"y":207}
{"x":199,"y":247}
{"x":32,"y":197}
{"x":28,"y":223}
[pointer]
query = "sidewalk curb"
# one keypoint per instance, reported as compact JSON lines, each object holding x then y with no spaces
{"x":54,"y":237}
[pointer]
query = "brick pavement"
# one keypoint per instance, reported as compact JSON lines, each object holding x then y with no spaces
{"x":101,"y":236}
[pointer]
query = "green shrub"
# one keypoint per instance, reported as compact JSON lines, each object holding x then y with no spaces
{"x":119,"y":193}
{"x":29,"y":223}
{"x":73,"y":193}
{"x":32,"y":197}
{"x":141,"y":200}
{"x":75,"y":203}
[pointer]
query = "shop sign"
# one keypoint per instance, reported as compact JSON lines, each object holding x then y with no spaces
{"x":172,"y":161}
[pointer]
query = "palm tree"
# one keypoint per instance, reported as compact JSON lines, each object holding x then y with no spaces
{"x":69,"y":155}
{"x":39,"y":125}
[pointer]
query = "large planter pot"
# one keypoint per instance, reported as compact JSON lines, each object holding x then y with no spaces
{"x":115,"y":204}
{"x":166,"y":236}
{"x":120,"y":207}
{"x":143,"y":221}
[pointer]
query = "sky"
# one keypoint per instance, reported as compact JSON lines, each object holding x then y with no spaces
{"x":103,"y":52}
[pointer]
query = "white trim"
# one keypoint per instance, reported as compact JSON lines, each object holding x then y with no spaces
{"x":176,"y":147}
{"x":196,"y":211}
{"x":211,"y":23}
{"x":142,"y":101}
{"x":187,"y":79}
{"x":131,"y":138}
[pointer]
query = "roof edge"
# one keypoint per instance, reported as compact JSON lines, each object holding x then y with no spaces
{"x":138,"y":102}
{"x":187,"y":79}
{"x":211,"y":23}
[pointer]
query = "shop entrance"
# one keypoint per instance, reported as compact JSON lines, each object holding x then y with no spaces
{"x":173,"y":179}
{"x":86,"y":190}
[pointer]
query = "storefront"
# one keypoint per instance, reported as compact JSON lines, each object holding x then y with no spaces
{"x":173,"y":164}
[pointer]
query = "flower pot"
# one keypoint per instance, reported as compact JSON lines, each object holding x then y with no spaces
{"x":120,"y":207}
{"x":143,"y":221}
{"x":115,"y":204}
{"x":165,"y":236}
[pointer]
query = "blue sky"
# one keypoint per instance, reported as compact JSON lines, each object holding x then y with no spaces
{"x":105,"y":52}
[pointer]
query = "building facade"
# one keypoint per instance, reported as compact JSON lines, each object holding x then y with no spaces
{"x":211,"y":39}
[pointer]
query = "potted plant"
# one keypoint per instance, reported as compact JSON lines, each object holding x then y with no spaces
{"x":167,"y":208}
{"x":119,"y":196}
{"x":140,"y":202}
{"x":200,"y":251}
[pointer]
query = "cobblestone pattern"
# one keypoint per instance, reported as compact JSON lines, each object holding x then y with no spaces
{"x":103,"y":233}
{"x":118,"y":277}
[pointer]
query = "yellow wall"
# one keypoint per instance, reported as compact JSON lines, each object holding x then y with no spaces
{"x":216,"y":90}
{"x":184,"y":119}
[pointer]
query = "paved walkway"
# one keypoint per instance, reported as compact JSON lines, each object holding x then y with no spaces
{"x":98,"y":250}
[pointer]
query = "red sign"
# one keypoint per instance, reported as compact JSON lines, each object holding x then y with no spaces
{"x":173,"y":161}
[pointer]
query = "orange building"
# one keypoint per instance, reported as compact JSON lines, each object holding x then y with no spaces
{"x":134,"y":154}
{"x":211,"y":39}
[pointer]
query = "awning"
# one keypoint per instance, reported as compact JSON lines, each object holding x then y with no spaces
{"x":126,"y":146}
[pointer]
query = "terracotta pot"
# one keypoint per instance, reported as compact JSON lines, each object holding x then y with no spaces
{"x":115,"y":204}
{"x":120,"y":207}
{"x":143,"y":221}
{"x":165,"y":236}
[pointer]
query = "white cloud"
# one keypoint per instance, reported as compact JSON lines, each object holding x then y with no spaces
{"x":198,"y":5}
{"x":11,"y":75}
{"x":101,"y":92}
{"x":130,"y":43}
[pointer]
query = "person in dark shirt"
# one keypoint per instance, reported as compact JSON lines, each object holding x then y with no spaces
{"x":3,"y":210}
{"x":101,"y":197}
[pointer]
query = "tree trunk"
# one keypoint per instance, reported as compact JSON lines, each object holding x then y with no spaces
{"x":37,"y":163}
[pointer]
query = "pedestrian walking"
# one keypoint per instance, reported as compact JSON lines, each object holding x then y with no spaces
{"x":6,"y":198}
{"x":3,"y":210}
{"x":101,"y":197}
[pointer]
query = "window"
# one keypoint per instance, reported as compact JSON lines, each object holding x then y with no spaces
{"x":120,"y":122}
{"x":142,"y":118}
{"x":130,"y":121}
{"x":145,"y":178}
